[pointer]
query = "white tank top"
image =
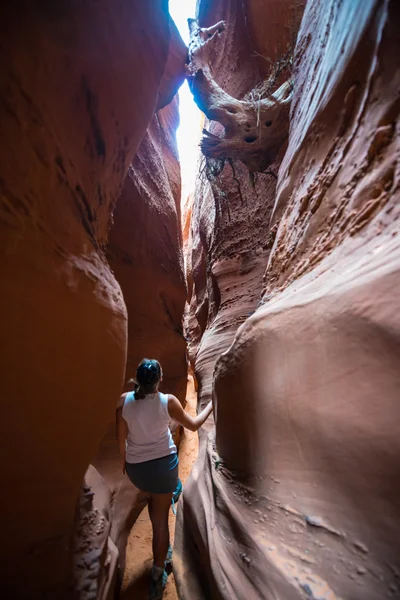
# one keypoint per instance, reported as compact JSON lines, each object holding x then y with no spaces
{"x":149,"y":435}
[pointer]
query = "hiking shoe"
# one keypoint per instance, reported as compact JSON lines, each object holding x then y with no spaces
{"x":157,"y":586}
{"x":176,"y":495}
{"x":168,"y":561}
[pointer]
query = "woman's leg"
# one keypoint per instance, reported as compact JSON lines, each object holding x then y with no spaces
{"x":159,"y":505}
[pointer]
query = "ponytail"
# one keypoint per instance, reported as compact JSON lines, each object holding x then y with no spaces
{"x":140,"y":391}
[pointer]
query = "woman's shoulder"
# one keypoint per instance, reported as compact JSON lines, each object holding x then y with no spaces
{"x":163,"y":399}
{"x":125,"y":398}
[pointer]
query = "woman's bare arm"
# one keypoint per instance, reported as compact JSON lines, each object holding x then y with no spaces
{"x":177,"y":413}
{"x":122,"y":431}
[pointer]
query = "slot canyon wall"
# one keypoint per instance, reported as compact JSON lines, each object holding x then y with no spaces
{"x":145,"y":252}
{"x":80,"y":83}
{"x":230,"y":236}
{"x":295,"y":493}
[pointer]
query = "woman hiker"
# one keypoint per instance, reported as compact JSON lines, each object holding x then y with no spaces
{"x":150,"y":458}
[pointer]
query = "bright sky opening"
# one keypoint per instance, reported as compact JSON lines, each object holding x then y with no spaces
{"x":189,"y":130}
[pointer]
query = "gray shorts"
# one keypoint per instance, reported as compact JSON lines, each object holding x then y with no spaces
{"x":158,"y":476}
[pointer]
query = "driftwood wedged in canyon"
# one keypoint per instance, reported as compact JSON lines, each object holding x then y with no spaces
{"x":71,"y":117}
{"x":302,"y":489}
{"x":255,"y":129}
{"x":145,"y":254}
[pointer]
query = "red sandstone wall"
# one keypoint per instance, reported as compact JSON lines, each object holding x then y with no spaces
{"x":230,"y":231}
{"x":297,"y":495}
{"x":145,"y":253}
{"x":79,"y":85}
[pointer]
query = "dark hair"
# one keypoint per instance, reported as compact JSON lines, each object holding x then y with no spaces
{"x":148,"y":376}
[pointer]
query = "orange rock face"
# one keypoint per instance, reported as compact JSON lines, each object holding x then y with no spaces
{"x":145,"y":253}
{"x":79,"y":85}
{"x":297,"y":495}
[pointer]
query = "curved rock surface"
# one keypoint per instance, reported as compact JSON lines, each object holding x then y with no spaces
{"x":79,"y":85}
{"x":297,"y":494}
{"x":145,"y":253}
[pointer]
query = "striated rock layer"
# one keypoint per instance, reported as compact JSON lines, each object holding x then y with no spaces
{"x":297,"y":496}
{"x":79,"y":84}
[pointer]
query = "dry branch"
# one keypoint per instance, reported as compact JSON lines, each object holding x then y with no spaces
{"x":255,"y":130}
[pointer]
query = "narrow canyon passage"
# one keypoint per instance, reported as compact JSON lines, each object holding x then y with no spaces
{"x":139,"y":557}
{"x":223,"y":196}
